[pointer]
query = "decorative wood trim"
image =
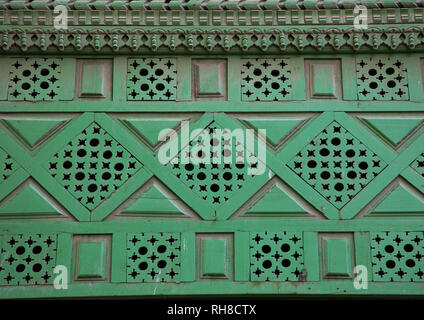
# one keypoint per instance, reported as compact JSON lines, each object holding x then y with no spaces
{"x":217,"y":40}
{"x":213,"y":17}
{"x":205,"y":4}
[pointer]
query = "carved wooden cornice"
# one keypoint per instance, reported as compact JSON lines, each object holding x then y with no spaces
{"x":202,"y":18}
{"x":210,"y":26}
{"x":207,"y":4}
{"x":211,"y":40}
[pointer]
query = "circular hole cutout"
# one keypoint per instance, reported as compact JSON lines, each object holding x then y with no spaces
{"x":214,"y":188}
{"x":107,"y":154}
{"x":189,"y":167}
{"x":325,"y":175}
{"x":20,"y":268}
{"x":160,"y":86}
{"x":390,"y":71}
{"x":257,"y":72}
{"x":144,"y":72}
{"x":44,"y":72}
{"x":335,"y":141}
{"x":119,"y":166}
{"x":372,"y":72}
{"x":258,"y":84}
{"x":81,"y":153}
{"x":351,"y":174}
{"x":226,"y":152}
{"x":94,"y":142}
{"x":410,"y":263}
{"x":275,"y":86}
{"x":106,"y":176}
{"x":324,"y":152}
{"x":44,"y":85}
{"x":350,"y":153}
{"x":158,"y":72}
{"x":214,"y":142}
{"x":227,"y":176}
{"x":20,"y":250}
{"x":36,"y":250}
{"x":286,"y":263}
{"x":92,"y":187}
{"x":390,"y":264}
{"x":201,"y":176}
{"x":285,"y":247}
{"x":67,"y":164}
{"x":312,"y":163}
{"x":408,"y":247}
{"x":391,"y":84}
{"x":267,"y":264}
{"x":79,"y":176}
{"x":26,"y":73}
{"x":339,"y":186}
{"x":161,"y":248}
{"x":266,"y":249}
{"x":275,"y":73}
{"x":144,"y":87}
{"x":161,"y":264}
{"x":142,"y":251}
{"x":26,"y":86}
{"x":239,"y":165}
{"x":373,"y":85}
{"x":389,"y":249}
{"x":363,"y":165}
{"x":36,"y":267}
{"x":143,"y":266}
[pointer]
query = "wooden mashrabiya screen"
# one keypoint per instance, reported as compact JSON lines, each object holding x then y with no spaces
{"x":105,"y":105}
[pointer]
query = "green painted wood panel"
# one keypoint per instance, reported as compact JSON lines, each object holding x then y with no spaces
{"x":322,"y":84}
{"x":91,"y":260}
{"x":339,"y":185}
{"x":338,"y":257}
{"x":214,"y":257}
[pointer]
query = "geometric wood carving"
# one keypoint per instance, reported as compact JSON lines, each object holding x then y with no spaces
{"x":215,"y":256}
{"x":323,"y":79}
{"x":337,"y":255}
{"x":209,"y":79}
{"x":94,"y":78}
